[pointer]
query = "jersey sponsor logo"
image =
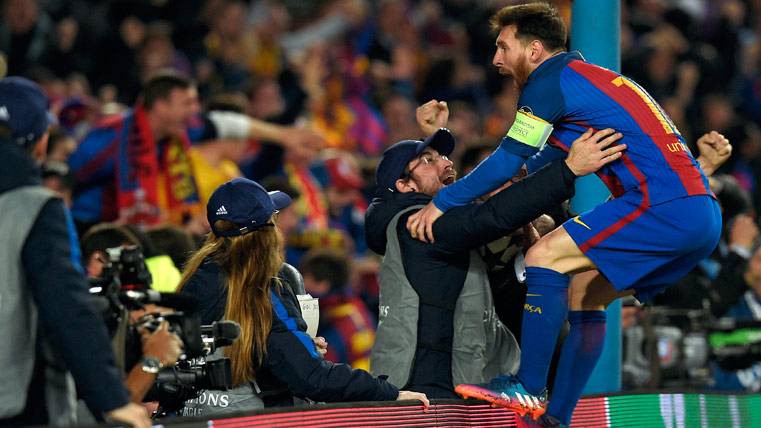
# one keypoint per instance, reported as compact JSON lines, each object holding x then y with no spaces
{"x":578,"y":220}
{"x":533,"y":295}
{"x":677,"y":147}
{"x":533,"y":309}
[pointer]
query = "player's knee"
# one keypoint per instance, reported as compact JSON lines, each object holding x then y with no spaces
{"x":540,"y":254}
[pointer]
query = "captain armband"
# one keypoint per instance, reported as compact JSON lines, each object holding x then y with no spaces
{"x":530,"y":130}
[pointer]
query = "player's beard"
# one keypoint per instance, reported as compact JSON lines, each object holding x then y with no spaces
{"x":521,"y":72}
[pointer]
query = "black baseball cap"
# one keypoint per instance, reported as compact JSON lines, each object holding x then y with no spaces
{"x":396,"y":157}
{"x":245,"y":203}
{"x":24,"y":109}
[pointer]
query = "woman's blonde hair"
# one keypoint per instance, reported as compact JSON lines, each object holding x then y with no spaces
{"x":250,"y":263}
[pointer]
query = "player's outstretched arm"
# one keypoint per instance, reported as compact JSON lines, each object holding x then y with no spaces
{"x":714,"y":150}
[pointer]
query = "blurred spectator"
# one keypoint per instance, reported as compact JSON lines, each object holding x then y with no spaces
{"x":339,"y":175}
{"x":60,"y":146}
{"x":173,"y":241}
{"x":25,"y":32}
{"x":345,"y":322}
{"x":164,"y":273}
{"x":215,"y":161}
{"x":399,"y":117}
{"x":135,"y":167}
{"x":158,"y":53}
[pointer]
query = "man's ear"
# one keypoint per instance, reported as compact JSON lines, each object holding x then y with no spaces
{"x":536,"y":49}
{"x":40,"y":148}
{"x":405,"y":186}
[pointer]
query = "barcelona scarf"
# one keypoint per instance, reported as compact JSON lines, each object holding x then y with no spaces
{"x":155,"y":182}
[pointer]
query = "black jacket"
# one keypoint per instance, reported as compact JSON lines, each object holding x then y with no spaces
{"x":292,"y":366}
{"x":437,"y":271}
{"x":60,"y":291}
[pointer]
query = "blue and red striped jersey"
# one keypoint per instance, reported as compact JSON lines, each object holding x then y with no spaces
{"x":574,"y":95}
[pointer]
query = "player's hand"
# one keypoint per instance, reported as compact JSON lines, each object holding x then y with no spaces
{"x":131,"y":414}
{"x":590,"y":151}
{"x":411,"y":395}
{"x":321,"y":345}
{"x":420,"y":224}
{"x":431,"y":116}
{"x":714,"y":150}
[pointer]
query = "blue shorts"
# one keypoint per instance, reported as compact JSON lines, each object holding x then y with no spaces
{"x":647,"y":248}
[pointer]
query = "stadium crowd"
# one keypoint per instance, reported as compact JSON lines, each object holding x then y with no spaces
{"x":158,"y":103}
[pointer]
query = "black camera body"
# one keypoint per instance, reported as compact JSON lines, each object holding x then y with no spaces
{"x":124,"y":285}
{"x":188,"y":378}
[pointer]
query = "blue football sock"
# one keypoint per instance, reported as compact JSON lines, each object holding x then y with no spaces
{"x":543,"y":316}
{"x":581,"y":350}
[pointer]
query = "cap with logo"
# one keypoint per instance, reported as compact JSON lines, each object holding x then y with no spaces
{"x":245,"y":203}
{"x":396,"y":157}
{"x":24,"y":109}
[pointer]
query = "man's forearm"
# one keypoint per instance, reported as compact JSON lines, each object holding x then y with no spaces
{"x":261,"y":130}
{"x":138,"y":383}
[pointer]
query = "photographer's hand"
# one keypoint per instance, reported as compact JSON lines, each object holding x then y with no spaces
{"x":162,"y":344}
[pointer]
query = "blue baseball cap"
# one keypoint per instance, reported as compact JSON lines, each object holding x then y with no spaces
{"x":24,"y":109}
{"x":396,"y":157}
{"x":245,"y":203}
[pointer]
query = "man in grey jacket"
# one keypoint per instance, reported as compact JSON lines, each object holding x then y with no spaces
{"x":437,"y":324}
{"x":46,"y":319}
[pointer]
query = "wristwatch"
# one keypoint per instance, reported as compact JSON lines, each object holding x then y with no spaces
{"x":151,"y":364}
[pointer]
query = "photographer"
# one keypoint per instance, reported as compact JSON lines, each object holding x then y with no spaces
{"x":160,"y":348}
{"x":47,"y":322}
{"x":238,"y":265}
{"x":747,"y":309}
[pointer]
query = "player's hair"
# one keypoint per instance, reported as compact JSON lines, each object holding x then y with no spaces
{"x":533,"y":21}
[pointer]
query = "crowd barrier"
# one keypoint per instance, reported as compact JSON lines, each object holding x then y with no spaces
{"x":645,"y":410}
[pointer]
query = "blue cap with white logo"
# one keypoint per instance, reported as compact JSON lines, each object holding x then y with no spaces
{"x":245,"y":203}
{"x":396,"y":157}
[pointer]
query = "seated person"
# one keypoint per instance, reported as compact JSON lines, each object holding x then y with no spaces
{"x":236,"y":271}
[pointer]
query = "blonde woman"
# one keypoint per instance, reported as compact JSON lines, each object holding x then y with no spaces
{"x":235,"y":277}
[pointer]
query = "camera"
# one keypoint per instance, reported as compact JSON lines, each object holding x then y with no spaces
{"x":673,"y":347}
{"x":124,"y":285}
{"x":186,"y":380}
